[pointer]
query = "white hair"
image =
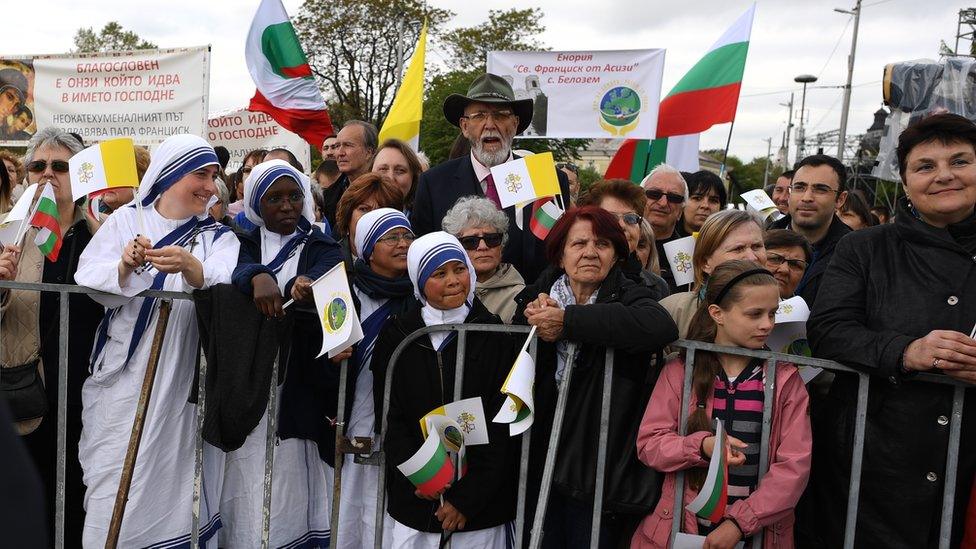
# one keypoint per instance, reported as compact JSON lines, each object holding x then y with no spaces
{"x":474,"y":211}
{"x":52,"y":136}
{"x":668,"y":170}
{"x":222,"y":193}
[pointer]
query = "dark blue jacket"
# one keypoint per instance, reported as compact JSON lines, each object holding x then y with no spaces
{"x":320,"y":254}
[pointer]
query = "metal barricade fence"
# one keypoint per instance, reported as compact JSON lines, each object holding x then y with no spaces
{"x":63,"y":291}
{"x":690,"y":347}
{"x":864,"y":380}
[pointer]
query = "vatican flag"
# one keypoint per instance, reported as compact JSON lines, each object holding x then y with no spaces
{"x":403,"y":121}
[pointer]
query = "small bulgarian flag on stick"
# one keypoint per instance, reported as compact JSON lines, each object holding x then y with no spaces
{"x":46,"y":219}
{"x":432,"y":468}
{"x":545,"y":213}
{"x":710,"y":502}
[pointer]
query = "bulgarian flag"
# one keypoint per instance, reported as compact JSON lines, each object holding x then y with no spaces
{"x":707,"y":95}
{"x":431,"y":468}
{"x":545,"y":213}
{"x":286,"y":89}
{"x":46,"y":219}
{"x":636,"y":157}
{"x":710,"y":502}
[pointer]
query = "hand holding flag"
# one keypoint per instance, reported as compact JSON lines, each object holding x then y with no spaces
{"x":713,"y":497}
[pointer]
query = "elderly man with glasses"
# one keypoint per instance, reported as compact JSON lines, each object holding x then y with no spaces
{"x":817,"y":191}
{"x":489,"y":116}
{"x":666,"y":191}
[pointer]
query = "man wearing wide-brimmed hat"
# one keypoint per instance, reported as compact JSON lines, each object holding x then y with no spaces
{"x":489,"y":117}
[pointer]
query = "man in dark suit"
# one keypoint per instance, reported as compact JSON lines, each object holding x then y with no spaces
{"x":489,"y":117}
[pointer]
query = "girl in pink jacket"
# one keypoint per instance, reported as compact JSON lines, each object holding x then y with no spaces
{"x":739,"y":310}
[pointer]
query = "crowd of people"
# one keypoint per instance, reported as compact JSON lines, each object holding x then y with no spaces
{"x":425,"y":246}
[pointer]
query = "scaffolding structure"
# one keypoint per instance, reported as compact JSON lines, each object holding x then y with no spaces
{"x":966,"y":31}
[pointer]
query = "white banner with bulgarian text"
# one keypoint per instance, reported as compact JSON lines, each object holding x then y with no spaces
{"x":147,"y":95}
{"x":243,"y":131}
{"x":598,"y":94}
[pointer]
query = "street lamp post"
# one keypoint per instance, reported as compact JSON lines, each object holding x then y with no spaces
{"x":856,"y":12}
{"x":800,"y":133}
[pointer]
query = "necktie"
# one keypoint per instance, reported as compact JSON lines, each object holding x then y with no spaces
{"x":491,"y":193}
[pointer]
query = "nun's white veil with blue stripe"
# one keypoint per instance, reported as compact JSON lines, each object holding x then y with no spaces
{"x":176,"y":157}
{"x":260,"y":180}
{"x":425,"y":256}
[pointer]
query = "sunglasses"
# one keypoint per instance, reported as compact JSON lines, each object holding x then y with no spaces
{"x":492,"y":240}
{"x":37,"y":166}
{"x":629,"y":218}
{"x":656,"y":195}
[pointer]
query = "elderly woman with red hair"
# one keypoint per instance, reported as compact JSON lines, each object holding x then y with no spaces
{"x":585,"y":298}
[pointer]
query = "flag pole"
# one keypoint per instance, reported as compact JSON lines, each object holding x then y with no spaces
{"x":728,"y":142}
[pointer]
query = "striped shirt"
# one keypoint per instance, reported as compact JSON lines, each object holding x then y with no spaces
{"x":738,"y":402}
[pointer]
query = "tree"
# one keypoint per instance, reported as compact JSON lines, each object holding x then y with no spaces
{"x":352,"y":49}
{"x":111,"y":38}
{"x":508,"y":30}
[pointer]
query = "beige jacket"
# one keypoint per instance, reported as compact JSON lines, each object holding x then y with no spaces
{"x":19,"y":321}
{"x":682,"y":307}
{"x":498,"y":292}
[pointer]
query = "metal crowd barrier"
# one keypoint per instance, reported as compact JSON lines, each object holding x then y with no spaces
{"x":864,"y":380}
{"x":691,"y":347}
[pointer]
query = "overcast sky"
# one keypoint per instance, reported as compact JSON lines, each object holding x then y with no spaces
{"x":789,"y":37}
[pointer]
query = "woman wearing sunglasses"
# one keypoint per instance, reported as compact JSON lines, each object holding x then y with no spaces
{"x":30,"y":328}
{"x":482,"y":230}
{"x":625,"y":201}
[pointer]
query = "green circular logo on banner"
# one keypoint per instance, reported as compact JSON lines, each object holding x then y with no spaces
{"x":620,"y":106}
{"x":336,"y":314}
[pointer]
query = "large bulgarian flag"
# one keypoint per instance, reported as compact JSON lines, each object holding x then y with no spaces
{"x":708,"y":94}
{"x":286,"y":89}
{"x":46,"y":219}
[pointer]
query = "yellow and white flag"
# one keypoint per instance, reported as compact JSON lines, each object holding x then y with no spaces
{"x":518,"y":386}
{"x":403,"y":120}
{"x":333,"y":301}
{"x":680,"y":253}
{"x":469,"y":414}
{"x":102,"y":166}
{"x":526,"y":179}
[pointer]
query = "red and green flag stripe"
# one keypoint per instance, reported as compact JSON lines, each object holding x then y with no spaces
{"x":434,"y":475}
{"x":47,"y":221}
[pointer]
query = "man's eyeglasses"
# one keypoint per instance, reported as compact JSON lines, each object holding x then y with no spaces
{"x":567,"y":166}
{"x":629,"y":218}
{"x":496,"y":116}
{"x":394,"y":239}
{"x":492,"y":240}
{"x":819,"y":189}
{"x":38,"y":166}
{"x":774,"y":260}
{"x":654,"y":195}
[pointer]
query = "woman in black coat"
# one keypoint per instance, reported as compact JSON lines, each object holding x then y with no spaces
{"x":482,"y":503}
{"x":898,"y":299}
{"x":586,"y":298}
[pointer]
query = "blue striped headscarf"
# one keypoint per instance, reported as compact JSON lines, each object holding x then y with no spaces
{"x":261,"y":179}
{"x":176,"y":157}
{"x":373,"y":225}
{"x":428,"y":253}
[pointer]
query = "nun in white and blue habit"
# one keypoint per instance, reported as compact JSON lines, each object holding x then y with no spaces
{"x":377,"y":297}
{"x":160,"y":499}
{"x":302,"y":481}
{"x":424,"y":380}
